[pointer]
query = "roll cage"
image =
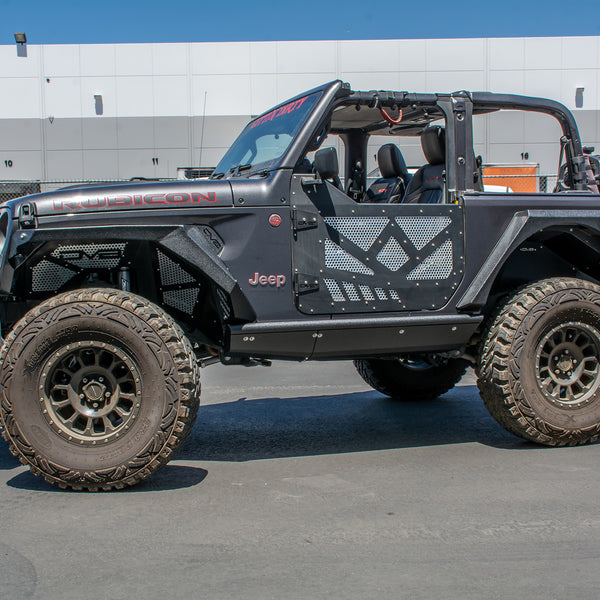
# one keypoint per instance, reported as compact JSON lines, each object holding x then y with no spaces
{"x":357,"y":115}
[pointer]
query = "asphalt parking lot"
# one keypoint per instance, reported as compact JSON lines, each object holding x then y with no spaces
{"x":300,"y":482}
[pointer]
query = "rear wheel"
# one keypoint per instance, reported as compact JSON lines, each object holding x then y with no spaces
{"x":99,"y":388}
{"x":412,"y":377}
{"x":539,"y":371}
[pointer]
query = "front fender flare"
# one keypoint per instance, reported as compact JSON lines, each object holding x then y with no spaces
{"x":186,"y":242}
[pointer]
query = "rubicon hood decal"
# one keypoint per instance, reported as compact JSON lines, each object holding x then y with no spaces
{"x":156,"y":195}
{"x":59,"y":204}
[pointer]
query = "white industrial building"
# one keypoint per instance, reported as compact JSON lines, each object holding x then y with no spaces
{"x":115,"y":111}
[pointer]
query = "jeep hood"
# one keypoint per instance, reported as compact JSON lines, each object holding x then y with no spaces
{"x":128,"y":196}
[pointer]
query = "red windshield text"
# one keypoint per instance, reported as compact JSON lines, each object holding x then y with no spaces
{"x":278,"y":112}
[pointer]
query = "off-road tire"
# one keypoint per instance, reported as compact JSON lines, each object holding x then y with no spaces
{"x":141,"y":413}
{"x":539,"y":365}
{"x":408,"y":379}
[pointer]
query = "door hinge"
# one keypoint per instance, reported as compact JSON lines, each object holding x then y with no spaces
{"x":303,"y":284}
{"x":303,"y":220}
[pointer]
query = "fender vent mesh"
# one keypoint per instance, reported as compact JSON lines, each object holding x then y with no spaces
{"x":49,"y":277}
{"x":170,"y":272}
{"x":179,"y":288}
{"x":183,"y":300}
{"x":223,"y":303}
{"x":66,"y":261}
{"x":90,"y":256}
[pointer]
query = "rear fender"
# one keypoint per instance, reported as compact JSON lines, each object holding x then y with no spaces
{"x":521,"y":227}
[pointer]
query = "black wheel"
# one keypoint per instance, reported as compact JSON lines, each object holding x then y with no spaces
{"x":412,"y":377}
{"x":539,"y":368}
{"x":98,"y":389}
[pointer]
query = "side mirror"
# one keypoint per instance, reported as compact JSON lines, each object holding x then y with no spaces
{"x":563,"y":181}
{"x":326,"y":163}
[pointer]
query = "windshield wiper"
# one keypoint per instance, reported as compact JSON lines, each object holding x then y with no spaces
{"x":237,"y":170}
{"x":216,"y":175}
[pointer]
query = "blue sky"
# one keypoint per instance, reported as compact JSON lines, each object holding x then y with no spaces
{"x":110,"y":21}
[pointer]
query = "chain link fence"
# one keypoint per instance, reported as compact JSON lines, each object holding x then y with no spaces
{"x":523,"y":184}
{"x":520,"y":184}
{"x":17,"y":188}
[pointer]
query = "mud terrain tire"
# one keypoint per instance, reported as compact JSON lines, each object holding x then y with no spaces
{"x":98,"y":389}
{"x":539,"y":367}
{"x":411,"y":379}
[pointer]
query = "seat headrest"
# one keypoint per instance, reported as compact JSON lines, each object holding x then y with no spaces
{"x":433,"y":142}
{"x":391,"y":162}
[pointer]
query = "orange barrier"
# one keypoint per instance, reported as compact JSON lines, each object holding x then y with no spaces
{"x":521,"y":179}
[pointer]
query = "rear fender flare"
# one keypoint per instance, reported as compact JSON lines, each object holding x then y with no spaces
{"x":522,"y":226}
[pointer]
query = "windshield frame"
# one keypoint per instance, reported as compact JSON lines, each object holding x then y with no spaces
{"x":287,"y":159}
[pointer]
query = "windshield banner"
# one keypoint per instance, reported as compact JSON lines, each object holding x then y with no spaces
{"x":278,"y":112}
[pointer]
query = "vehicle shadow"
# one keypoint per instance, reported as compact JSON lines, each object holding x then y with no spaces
{"x":262,"y":428}
{"x":170,"y":477}
{"x":7,"y":460}
{"x":332,"y":424}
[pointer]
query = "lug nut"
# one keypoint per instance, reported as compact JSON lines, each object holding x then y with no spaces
{"x":100,"y":379}
{"x":85,"y":380}
{"x":107,"y":394}
{"x":82,"y":396}
{"x":95,"y":405}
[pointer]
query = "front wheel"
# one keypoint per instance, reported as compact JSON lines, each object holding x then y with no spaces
{"x":98,"y":388}
{"x":539,"y":369}
{"x":412,"y":377}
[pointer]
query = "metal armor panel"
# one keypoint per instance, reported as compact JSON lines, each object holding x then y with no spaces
{"x":352,"y":257}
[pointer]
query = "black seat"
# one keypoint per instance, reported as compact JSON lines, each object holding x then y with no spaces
{"x":427,"y":184}
{"x":390,"y":187}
